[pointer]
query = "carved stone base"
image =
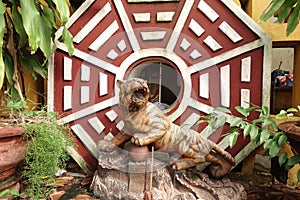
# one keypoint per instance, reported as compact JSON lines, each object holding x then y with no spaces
{"x":113,"y":183}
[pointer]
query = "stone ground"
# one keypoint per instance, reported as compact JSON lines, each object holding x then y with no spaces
{"x":73,"y":184}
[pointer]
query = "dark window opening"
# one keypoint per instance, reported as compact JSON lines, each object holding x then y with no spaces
{"x":163,"y":81}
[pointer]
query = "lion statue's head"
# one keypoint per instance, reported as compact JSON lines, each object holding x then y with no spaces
{"x":133,"y":95}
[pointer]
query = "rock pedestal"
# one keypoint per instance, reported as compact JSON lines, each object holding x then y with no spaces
{"x":125,"y":179}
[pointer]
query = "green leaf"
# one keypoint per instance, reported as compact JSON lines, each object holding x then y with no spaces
{"x":201,"y":121}
{"x":293,"y":20}
{"x":292,"y":110}
{"x":268,"y":143}
{"x":18,"y":24}
{"x":249,"y":109}
{"x":63,"y":10}
{"x":30,"y":63}
{"x":298,"y":175}
{"x":4,"y":193}
{"x":266,"y":153}
{"x":17,"y":105}
{"x":220,"y":121}
{"x":265,"y":111}
{"x":210,"y":116}
{"x":14,"y":94}
{"x":68,"y":40}
{"x":2,"y":29}
{"x":274,"y":125}
{"x":277,"y":135}
{"x":232,"y":130}
{"x":242,"y":111}
{"x":258,"y":120}
{"x":232,"y":139}
{"x":46,"y":32}
{"x":282,"y":139}
{"x":247,"y":130}
{"x":273,"y":7}
{"x":14,"y":193}
{"x":274,"y":150}
{"x":9,"y":72}
{"x":293,"y":161}
{"x":222,"y":109}
{"x":285,"y":10}
{"x":282,"y":159}
{"x":50,"y":15}
{"x":31,"y":22}
{"x":236,"y":122}
{"x":9,"y":67}
{"x":243,"y":125}
{"x":267,"y":122}
{"x":264,"y":136}
{"x":9,"y":192}
{"x":281,"y":114}
{"x":258,"y":110}
{"x":254,"y":132}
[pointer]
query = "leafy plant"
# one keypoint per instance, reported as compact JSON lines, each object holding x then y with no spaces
{"x":8,"y":193}
{"x":263,"y":130}
{"x":46,"y":152}
{"x":16,"y":110}
{"x":27,"y":39}
{"x":287,"y":113}
{"x":284,"y":8}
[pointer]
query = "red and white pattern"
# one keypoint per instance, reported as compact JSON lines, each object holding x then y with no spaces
{"x":222,"y":57}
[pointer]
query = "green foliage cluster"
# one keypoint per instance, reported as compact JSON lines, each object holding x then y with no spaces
{"x":46,"y":149}
{"x":8,"y":193}
{"x":263,"y":130}
{"x":46,"y":153}
{"x":284,"y":8}
{"x":27,"y":38}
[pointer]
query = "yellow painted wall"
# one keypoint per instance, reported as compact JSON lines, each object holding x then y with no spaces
{"x":277,"y":31}
{"x":34,"y":90}
{"x":237,"y":2}
{"x":34,"y":93}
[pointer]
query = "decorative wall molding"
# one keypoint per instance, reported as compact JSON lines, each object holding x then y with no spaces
{"x":210,"y":43}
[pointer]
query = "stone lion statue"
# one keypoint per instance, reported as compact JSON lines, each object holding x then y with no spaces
{"x":145,"y":123}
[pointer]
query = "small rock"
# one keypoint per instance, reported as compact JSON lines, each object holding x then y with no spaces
{"x":60,"y":172}
{"x":64,"y":180}
{"x":86,"y":181}
{"x":57,"y":195}
{"x":78,"y":175}
{"x":83,"y":197}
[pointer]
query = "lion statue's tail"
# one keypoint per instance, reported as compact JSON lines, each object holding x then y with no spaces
{"x":227,"y":156}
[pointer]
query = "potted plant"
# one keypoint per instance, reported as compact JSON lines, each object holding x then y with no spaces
{"x":43,"y":150}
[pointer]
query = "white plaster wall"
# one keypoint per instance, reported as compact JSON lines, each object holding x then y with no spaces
{"x":286,"y":55}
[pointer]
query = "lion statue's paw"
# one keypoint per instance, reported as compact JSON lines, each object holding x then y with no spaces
{"x":137,"y":139}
